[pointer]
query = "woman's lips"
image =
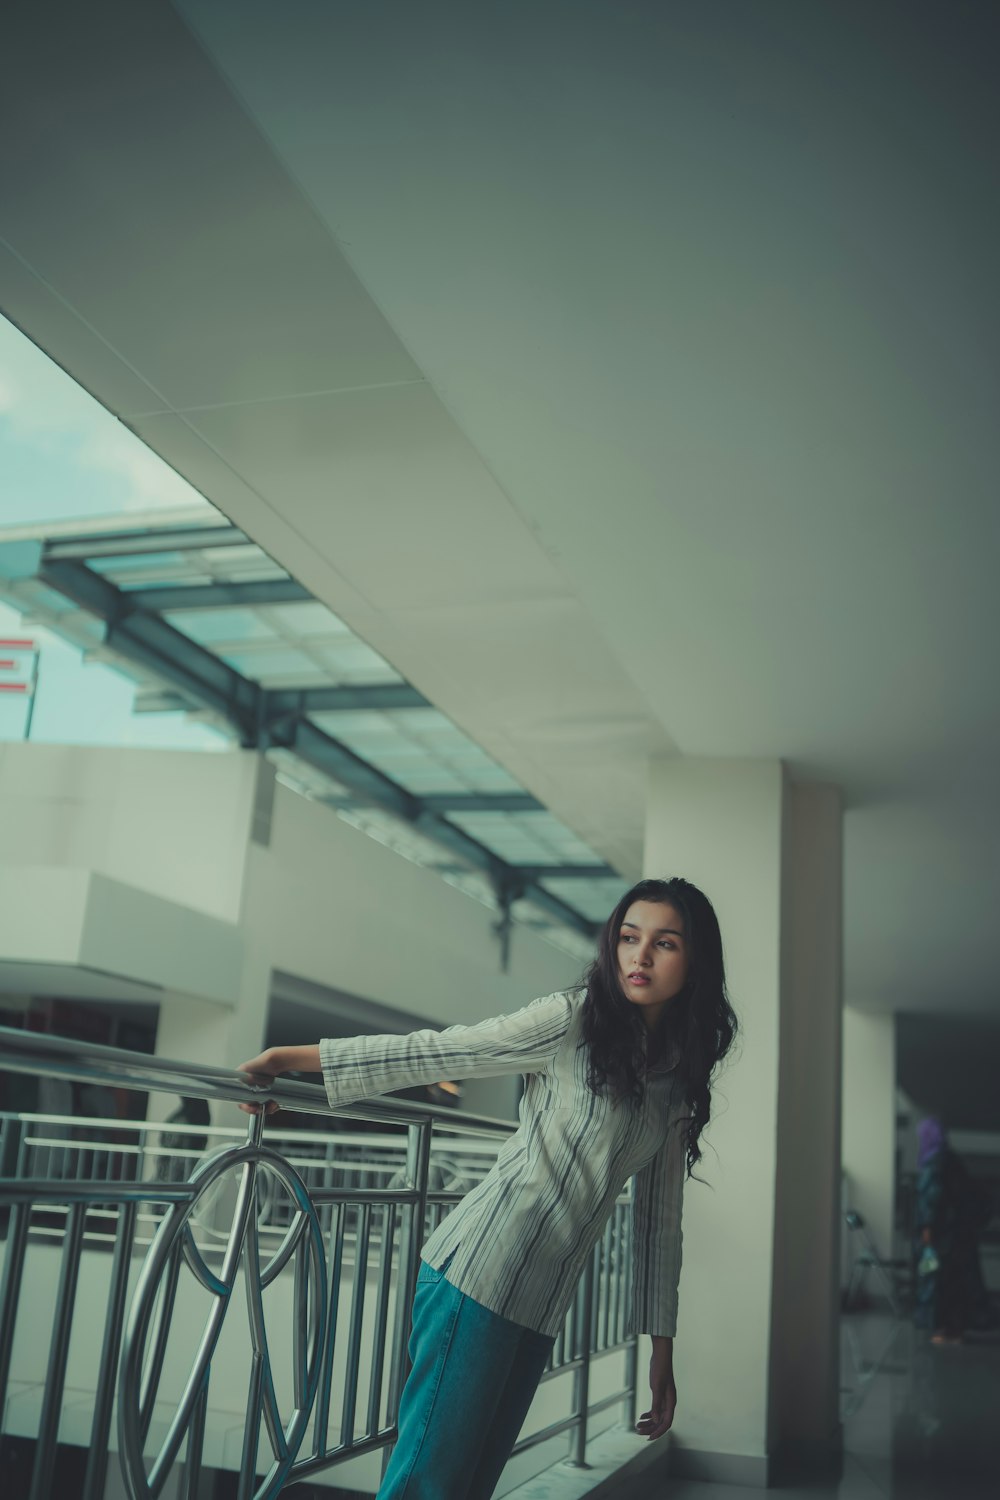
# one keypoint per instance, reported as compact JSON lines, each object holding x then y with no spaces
{"x":638,"y":979}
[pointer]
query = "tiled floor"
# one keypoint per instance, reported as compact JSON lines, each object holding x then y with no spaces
{"x":924,"y":1426}
{"x":928,"y":1427}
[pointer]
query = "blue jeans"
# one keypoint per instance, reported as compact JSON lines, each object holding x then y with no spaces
{"x":472,"y":1380}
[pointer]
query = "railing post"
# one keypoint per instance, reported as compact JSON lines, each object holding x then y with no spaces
{"x":418,"y":1159}
{"x":107,"y":1370}
{"x":55,"y":1379}
{"x":10,"y":1290}
{"x":631,"y":1382}
{"x":581,"y":1377}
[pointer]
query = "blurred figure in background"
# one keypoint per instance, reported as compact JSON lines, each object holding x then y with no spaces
{"x":951,"y":1213}
{"x":185,"y":1146}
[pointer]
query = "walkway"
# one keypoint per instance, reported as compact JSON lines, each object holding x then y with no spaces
{"x":925,"y":1427}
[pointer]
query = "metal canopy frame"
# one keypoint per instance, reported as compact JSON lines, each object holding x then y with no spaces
{"x":265,"y":719}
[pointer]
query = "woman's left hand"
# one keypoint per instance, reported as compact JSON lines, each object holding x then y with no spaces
{"x":655,"y":1422}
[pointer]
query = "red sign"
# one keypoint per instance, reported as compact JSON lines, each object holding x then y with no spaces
{"x":18,"y":667}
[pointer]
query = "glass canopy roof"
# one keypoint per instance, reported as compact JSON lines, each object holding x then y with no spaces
{"x":202,"y":618}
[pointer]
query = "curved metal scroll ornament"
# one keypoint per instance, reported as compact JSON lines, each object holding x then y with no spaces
{"x":145,"y":1340}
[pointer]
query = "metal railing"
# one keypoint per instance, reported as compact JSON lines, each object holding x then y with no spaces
{"x":240,"y":1287}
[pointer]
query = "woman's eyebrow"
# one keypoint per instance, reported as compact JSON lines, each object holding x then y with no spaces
{"x":674,"y":930}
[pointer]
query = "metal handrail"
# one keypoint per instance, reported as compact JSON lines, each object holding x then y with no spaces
{"x":243,"y":1221}
{"x":88,"y":1062}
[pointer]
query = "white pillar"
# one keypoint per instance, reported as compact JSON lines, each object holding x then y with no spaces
{"x":756,"y":1352}
{"x":869,"y":1128}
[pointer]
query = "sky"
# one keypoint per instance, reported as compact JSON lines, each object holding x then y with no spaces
{"x":63,"y":457}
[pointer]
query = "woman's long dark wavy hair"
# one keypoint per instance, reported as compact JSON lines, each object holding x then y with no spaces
{"x":699,"y":1022}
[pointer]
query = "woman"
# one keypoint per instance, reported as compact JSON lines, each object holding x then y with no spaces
{"x":951,"y":1297}
{"x":617,"y":1079}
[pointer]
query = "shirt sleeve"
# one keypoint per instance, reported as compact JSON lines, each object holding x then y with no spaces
{"x":657,"y":1200}
{"x":524,"y":1042}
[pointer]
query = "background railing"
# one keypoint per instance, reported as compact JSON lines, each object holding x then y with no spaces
{"x":205,"y":1296}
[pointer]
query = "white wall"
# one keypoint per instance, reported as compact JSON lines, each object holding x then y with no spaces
{"x":75,"y":918}
{"x":281,"y":884}
{"x":174,"y":823}
{"x":327,"y":902}
{"x":869,"y":1120}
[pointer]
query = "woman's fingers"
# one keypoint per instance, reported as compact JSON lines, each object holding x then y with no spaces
{"x":259,"y":1068}
{"x":259,"y":1064}
{"x":653,"y":1424}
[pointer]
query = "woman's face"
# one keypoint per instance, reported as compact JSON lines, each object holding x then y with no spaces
{"x":652,"y":957}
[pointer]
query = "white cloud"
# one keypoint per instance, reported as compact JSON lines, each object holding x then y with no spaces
{"x":39,"y":401}
{"x":151,"y":483}
{"x":35,"y":395}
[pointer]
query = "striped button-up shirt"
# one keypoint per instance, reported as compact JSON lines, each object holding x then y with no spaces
{"x":521,"y":1237}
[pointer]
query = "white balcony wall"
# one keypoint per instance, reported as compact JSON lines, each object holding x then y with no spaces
{"x":194,"y":877}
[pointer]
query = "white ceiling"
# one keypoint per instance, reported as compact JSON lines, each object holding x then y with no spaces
{"x":625,"y":374}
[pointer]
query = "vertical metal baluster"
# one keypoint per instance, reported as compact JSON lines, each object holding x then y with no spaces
{"x":597,"y":1255}
{"x":619,"y":1274}
{"x":626,"y":1269}
{"x":321,"y":1421}
{"x":632,"y":1360}
{"x":10,"y":1289}
{"x":97,"y":1462}
{"x":629,"y":1405}
{"x":613,"y":1273}
{"x":164,"y":1313}
{"x":608,"y":1276}
{"x":574,"y":1326}
{"x":21,"y":1170}
{"x":55,"y":1376}
{"x":300,"y":1320}
{"x":581,"y":1377}
{"x":418,"y":1154}
{"x":251,"y":1266}
{"x":251,"y":1431}
{"x":605,"y":1282}
{"x":357,"y":1315}
{"x":30,"y":1156}
{"x":381,"y":1320}
{"x":195,"y":1444}
{"x":595,"y":1311}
